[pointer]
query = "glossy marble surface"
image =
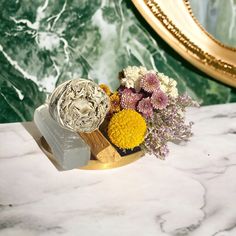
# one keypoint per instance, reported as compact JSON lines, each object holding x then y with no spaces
{"x":45,"y":42}
{"x":192,"y":193}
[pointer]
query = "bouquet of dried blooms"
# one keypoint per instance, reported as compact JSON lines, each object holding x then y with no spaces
{"x":147,"y":111}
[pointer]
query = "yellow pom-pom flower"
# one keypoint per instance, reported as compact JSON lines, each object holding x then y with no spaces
{"x":127,"y":129}
{"x":106,"y":89}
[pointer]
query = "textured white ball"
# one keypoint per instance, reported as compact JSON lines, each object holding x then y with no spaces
{"x":79,"y":105}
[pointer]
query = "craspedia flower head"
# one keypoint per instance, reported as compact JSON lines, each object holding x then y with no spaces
{"x":159,"y":100}
{"x":129,"y":99}
{"x":115,"y":103}
{"x":106,"y":89}
{"x":145,"y":107}
{"x":127,"y":129}
{"x":150,"y":82}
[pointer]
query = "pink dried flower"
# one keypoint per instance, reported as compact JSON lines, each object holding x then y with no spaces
{"x":129,"y":99}
{"x":150,"y":82}
{"x":159,"y":100}
{"x":145,"y":107}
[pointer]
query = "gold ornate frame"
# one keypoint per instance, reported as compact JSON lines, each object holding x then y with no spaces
{"x":175,"y":23}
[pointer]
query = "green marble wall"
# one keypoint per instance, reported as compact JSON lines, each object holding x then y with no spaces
{"x":45,"y":42}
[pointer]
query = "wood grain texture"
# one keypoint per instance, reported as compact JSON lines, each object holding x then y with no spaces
{"x":101,"y":148}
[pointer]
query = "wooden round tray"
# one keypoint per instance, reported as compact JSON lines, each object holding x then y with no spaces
{"x":93,"y":163}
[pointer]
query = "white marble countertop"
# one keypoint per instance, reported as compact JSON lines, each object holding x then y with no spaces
{"x":192,"y":193}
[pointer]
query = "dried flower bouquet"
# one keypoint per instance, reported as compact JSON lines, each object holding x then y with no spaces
{"x":147,"y":111}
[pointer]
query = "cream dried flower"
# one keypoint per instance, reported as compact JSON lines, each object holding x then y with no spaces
{"x":132,"y":77}
{"x":79,"y":105}
{"x":168,"y":85}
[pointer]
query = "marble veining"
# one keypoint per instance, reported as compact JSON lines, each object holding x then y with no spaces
{"x":47,"y":42}
{"x":192,"y":192}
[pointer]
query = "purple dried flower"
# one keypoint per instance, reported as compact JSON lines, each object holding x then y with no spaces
{"x":168,"y":125}
{"x":163,"y":151}
{"x":186,"y":101}
{"x":150,"y":82}
{"x":145,"y":107}
{"x":129,"y":99}
{"x":159,"y":100}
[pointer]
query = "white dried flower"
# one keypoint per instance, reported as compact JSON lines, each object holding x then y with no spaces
{"x":132,"y":76}
{"x":79,"y":105}
{"x":168,"y":85}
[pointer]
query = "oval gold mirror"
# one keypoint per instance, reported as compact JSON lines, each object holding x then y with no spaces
{"x":176,"y":23}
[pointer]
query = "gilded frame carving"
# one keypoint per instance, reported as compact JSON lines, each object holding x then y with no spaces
{"x":175,"y":23}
